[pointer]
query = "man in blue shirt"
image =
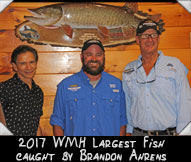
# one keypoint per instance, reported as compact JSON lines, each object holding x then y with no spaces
{"x":90,"y":102}
{"x":158,"y":96}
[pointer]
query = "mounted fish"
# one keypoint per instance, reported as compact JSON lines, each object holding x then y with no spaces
{"x":70,"y":24}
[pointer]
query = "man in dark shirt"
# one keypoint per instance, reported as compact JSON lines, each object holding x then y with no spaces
{"x":21,"y":98}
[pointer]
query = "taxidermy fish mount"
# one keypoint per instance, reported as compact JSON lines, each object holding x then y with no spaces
{"x":70,"y":24}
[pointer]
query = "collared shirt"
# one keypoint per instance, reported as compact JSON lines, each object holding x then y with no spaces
{"x":164,"y":101}
{"x":22,"y":106}
{"x":82,"y":110}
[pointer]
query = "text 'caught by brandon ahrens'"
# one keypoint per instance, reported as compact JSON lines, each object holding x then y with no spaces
{"x":88,"y":149}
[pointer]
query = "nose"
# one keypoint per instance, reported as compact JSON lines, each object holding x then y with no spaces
{"x":150,"y":38}
{"x":28,"y":66}
{"x":94,"y":58}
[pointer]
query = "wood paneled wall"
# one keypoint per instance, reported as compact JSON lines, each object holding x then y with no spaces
{"x":56,"y":63}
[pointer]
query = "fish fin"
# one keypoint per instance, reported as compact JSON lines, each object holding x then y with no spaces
{"x":132,"y":6}
{"x":156,"y":17}
{"x":67,"y":30}
{"x":104,"y":31}
{"x":158,"y":20}
{"x":142,"y":16}
{"x":129,"y":32}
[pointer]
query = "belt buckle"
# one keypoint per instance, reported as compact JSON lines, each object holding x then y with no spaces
{"x":150,"y":133}
{"x":153,"y":133}
{"x":171,"y":132}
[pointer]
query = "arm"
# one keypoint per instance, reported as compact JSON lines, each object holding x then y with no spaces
{"x":123,"y":117}
{"x":2,"y":117}
{"x":58,"y":115}
{"x":128,"y":105}
{"x":122,"y":130}
{"x":58,"y":131}
{"x":183,"y":99}
{"x":39,"y":131}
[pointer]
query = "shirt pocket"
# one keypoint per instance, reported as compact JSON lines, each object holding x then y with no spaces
{"x":132,"y":86}
{"x":111,"y":102}
{"x":165,"y":84}
{"x":75,"y":103}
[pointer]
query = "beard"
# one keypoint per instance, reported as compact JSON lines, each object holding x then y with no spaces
{"x":90,"y":70}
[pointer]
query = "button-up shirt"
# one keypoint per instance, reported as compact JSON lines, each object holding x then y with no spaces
{"x":160,"y":100}
{"x":82,"y":110}
{"x":22,"y":106}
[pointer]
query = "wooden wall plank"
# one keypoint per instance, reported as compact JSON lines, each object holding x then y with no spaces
{"x":57,"y":63}
{"x":174,"y":16}
{"x":49,"y":83}
{"x":173,"y":37}
{"x":61,"y":62}
{"x":48,"y":106}
{"x":69,"y":62}
{"x":46,"y":128}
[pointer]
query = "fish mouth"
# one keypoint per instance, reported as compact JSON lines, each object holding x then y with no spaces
{"x":45,"y":16}
{"x":36,"y":15}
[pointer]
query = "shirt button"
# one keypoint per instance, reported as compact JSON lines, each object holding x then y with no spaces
{"x":93,"y":91}
{"x":94,"y":129}
{"x":93,"y":116}
{"x":70,"y":117}
{"x":111,"y":100}
{"x":75,"y":99}
{"x":93,"y":103}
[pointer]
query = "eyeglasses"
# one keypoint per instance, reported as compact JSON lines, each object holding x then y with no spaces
{"x":146,"y":36}
{"x":139,"y":79}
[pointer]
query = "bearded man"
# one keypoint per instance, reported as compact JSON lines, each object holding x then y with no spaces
{"x":90,"y":102}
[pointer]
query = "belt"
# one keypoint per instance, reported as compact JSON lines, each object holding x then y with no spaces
{"x":167,"y":132}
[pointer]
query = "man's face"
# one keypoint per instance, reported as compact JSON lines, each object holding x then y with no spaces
{"x":25,"y":66}
{"x":148,"y":45}
{"x":93,"y":60}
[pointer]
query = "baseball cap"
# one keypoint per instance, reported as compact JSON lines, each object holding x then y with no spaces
{"x":147,"y":24}
{"x":90,"y":42}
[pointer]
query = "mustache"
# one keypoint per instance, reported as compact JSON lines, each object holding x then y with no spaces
{"x":91,"y":61}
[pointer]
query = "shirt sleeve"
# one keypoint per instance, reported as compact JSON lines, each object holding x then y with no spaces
{"x":123,"y":118}
{"x":41,"y":102}
{"x":58,"y":117}
{"x":183,"y":99}
{"x":2,"y":98}
{"x":129,"y":128}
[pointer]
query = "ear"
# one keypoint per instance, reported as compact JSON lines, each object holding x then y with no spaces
{"x":81,"y":56}
{"x":14,"y":66}
{"x":137,"y":40}
{"x":158,"y":38}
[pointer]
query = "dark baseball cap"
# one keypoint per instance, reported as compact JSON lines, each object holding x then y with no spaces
{"x":147,"y":24}
{"x":90,"y":42}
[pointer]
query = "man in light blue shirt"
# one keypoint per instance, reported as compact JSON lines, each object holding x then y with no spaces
{"x":158,"y":95}
{"x":90,"y":102}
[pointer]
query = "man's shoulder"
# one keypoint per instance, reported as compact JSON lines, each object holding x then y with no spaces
{"x":131,"y":65}
{"x":38,"y":88}
{"x":69,"y":79}
{"x":111,"y":77}
{"x":170,"y":61}
{"x":6,"y":82}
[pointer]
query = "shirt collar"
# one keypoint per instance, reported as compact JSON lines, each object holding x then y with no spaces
{"x":85,"y":78}
{"x":20,"y":82}
{"x":161,"y":55}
